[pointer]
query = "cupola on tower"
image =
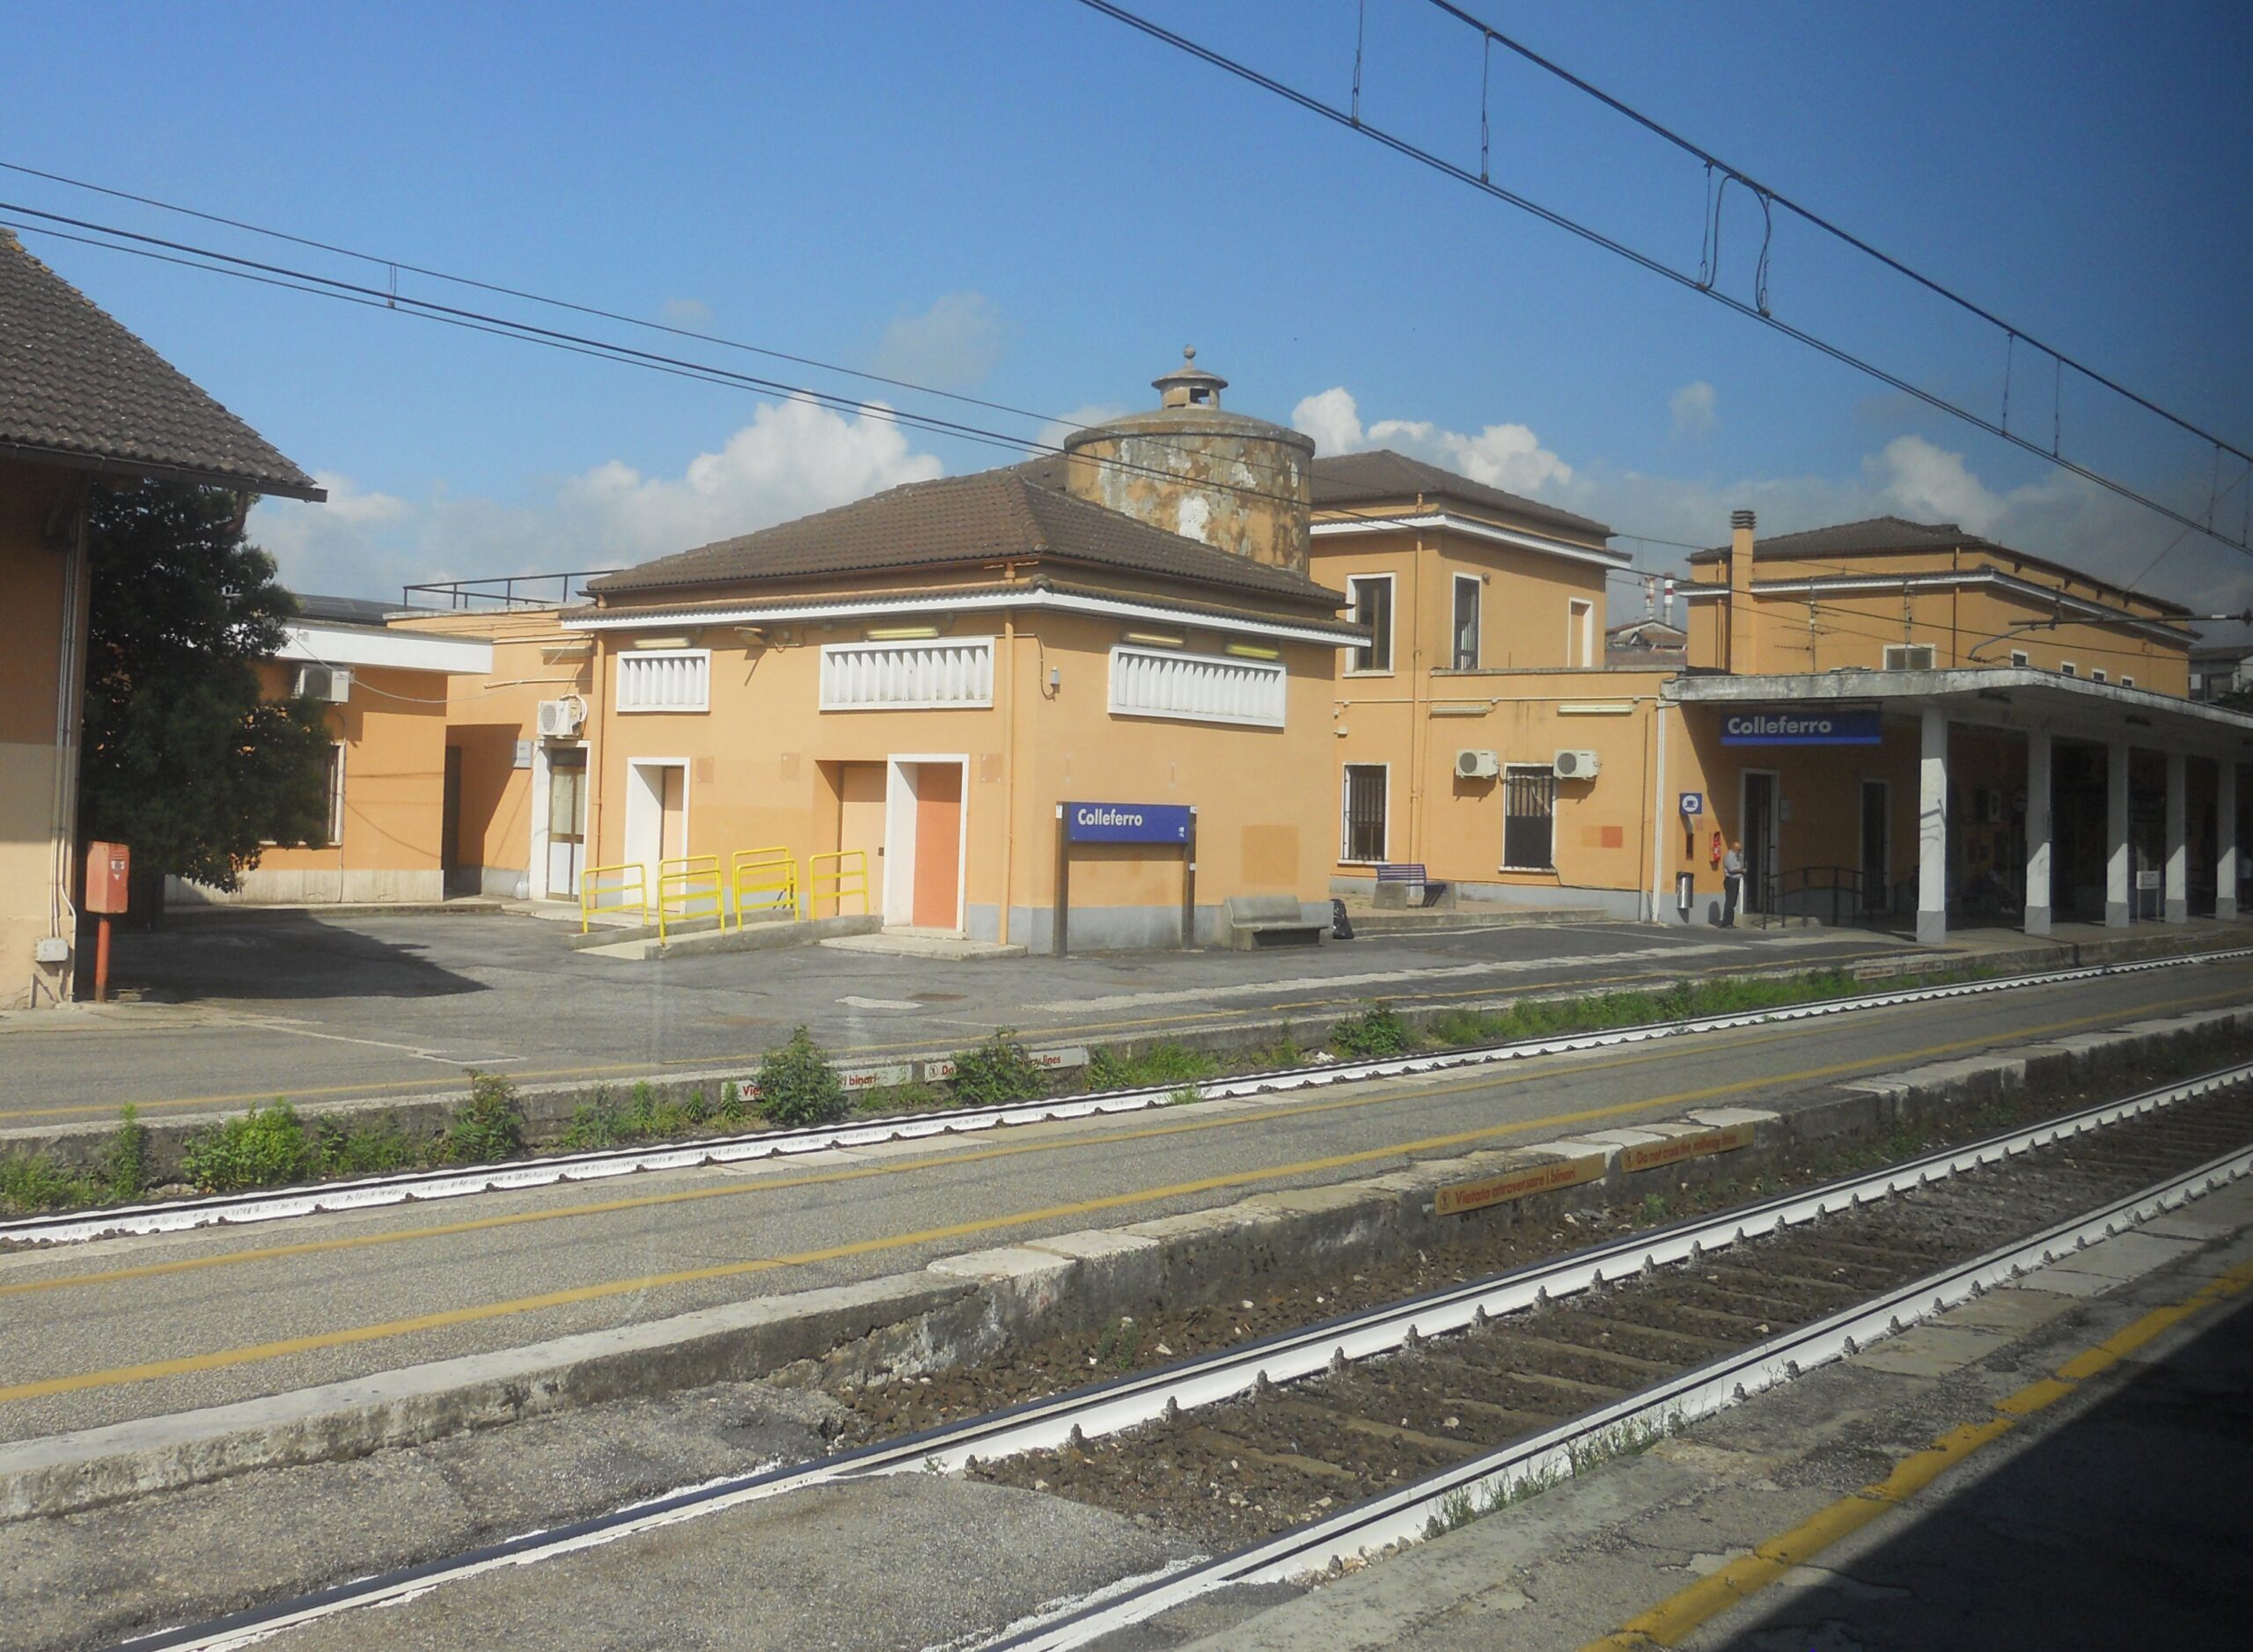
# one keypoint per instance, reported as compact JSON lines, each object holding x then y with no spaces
{"x":1239,"y":484}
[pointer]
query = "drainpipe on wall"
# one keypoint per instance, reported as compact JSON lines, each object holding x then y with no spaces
{"x":1740,"y":653}
{"x":70,"y":682}
{"x":1420,"y":729}
{"x":1657,"y":837}
{"x":1008,"y":769}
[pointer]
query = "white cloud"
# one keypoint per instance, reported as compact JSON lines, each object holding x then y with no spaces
{"x":2057,"y":514}
{"x":692,"y":314}
{"x":1331,"y":419}
{"x":1693,"y":408}
{"x":794,"y":457}
{"x":1502,"y":455}
{"x":952,"y":346}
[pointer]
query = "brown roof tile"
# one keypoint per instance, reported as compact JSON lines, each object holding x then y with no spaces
{"x":983,"y":517}
{"x":1382,"y":476}
{"x":77,"y":387}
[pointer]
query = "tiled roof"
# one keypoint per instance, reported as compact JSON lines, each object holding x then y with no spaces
{"x":1383,"y":476}
{"x":986,"y":517}
{"x":1897,"y":533}
{"x":77,"y":388}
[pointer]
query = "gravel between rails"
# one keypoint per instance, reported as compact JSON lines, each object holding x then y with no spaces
{"x":1231,"y":1474}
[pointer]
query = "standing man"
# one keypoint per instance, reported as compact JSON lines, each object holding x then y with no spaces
{"x":1732,"y":882}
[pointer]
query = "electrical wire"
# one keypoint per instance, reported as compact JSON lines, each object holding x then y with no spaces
{"x":2016,"y":335}
{"x":1756,"y":311}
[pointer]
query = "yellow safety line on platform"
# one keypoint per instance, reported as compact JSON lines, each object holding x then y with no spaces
{"x":1687,"y":1610}
{"x":1062,"y":1031}
{"x":223,"y":1358}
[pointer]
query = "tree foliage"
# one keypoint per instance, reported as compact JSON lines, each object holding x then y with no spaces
{"x":185,"y":760}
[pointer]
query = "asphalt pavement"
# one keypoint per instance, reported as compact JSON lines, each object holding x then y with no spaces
{"x":135,"y":1327}
{"x":240,"y":1009}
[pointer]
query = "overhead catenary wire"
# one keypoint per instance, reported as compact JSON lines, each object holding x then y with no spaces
{"x":1757,"y":311}
{"x":2015,"y":334}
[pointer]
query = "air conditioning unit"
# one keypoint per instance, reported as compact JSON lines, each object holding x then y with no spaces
{"x":332,"y":683}
{"x":1577,"y":766}
{"x":1477,"y":766}
{"x":1908,"y":657}
{"x":560,"y":719}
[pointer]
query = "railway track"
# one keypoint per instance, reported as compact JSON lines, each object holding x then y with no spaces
{"x":462,"y":1181}
{"x":1295,"y":1452}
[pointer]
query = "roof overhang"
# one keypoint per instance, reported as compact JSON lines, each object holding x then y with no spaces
{"x":2009,"y":697}
{"x":1959,"y":579}
{"x":321,"y":644}
{"x":941,"y":601}
{"x":109,"y":465}
{"x":1470,"y":527}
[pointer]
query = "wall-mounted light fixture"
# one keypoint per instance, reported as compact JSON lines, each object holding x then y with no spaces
{"x":1155,"y":639}
{"x":901,"y":633}
{"x":661,"y":642}
{"x":1254,"y":650}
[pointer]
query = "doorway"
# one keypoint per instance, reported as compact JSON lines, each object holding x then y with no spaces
{"x":924,"y":842}
{"x":451,"y":874}
{"x":1757,"y":813}
{"x":1877,"y":859}
{"x":567,"y":820}
{"x":860,"y":825}
{"x":656,"y":814}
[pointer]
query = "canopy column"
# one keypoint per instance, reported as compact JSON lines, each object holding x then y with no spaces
{"x":2116,"y":910}
{"x":2226,"y":839}
{"x":2038,"y":833}
{"x":1932,"y":830}
{"x":2177,"y":907}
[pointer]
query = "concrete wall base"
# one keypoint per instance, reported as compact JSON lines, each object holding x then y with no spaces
{"x":273,"y":886}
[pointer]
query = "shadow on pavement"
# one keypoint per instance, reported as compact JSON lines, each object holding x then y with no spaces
{"x":2126,"y":1526}
{"x":275,"y":956}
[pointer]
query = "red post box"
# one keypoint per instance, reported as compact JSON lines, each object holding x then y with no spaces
{"x":109,"y":874}
{"x":109,"y":867}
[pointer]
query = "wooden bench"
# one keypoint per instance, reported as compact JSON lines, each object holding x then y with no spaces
{"x":1258,"y":920}
{"x":1402,"y":884}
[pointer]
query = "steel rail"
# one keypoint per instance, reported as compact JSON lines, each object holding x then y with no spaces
{"x":1427,"y":1507}
{"x":1147,"y":1397}
{"x":454,"y":1182}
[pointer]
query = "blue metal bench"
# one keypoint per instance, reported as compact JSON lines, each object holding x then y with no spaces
{"x":1405,"y":881}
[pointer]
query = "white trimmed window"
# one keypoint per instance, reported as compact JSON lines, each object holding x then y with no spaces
{"x":334,"y":782}
{"x":1195,"y":688}
{"x":1362,"y":839}
{"x":1369,"y":601}
{"x":908,"y":676}
{"x":665,"y":679}
{"x":1464,"y":654}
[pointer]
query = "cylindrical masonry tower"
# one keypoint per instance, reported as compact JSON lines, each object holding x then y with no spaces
{"x":1239,"y":484}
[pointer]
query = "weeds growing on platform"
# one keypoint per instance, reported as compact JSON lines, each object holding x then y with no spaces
{"x":1164,"y":1062}
{"x":999,"y":1071}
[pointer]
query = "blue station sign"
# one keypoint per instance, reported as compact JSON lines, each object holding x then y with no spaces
{"x":1127,"y":822}
{"x":1779,"y":725}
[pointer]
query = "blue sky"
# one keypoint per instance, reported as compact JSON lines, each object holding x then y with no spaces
{"x":1027,"y":202}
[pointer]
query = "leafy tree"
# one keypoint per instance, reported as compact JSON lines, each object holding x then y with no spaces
{"x":186,"y":761}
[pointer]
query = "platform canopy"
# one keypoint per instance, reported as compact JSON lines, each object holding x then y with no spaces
{"x":2000,"y":697}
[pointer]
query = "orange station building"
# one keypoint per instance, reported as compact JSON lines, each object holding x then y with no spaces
{"x":903,"y":694}
{"x":1901,"y":723}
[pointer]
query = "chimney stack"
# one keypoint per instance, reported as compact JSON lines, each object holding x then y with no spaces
{"x":1742,"y":654}
{"x":1668,"y":610}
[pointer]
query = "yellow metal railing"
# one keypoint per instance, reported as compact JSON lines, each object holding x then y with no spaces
{"x":763,"y":880}
{"x":837,"y":878}
{"x":614,"y":889}
{"x":689,"y":887}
